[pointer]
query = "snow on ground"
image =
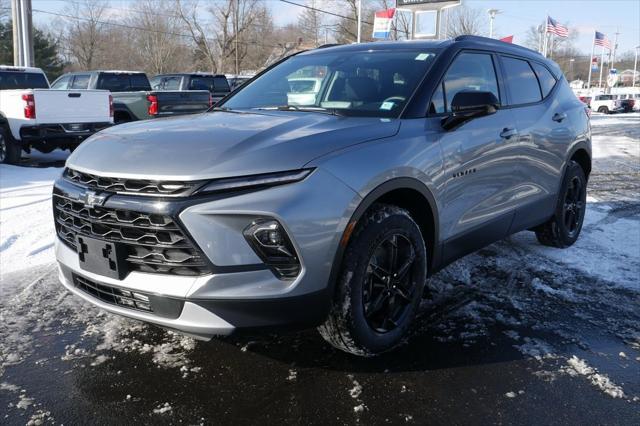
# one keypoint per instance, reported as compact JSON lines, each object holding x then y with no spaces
{"x":524,"y":289}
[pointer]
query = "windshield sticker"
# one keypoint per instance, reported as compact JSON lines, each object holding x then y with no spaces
{"x":387,"y":106}
{"x":422,"y":56}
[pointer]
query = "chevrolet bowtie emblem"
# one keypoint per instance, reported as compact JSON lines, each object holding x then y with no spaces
{"x":92,"y":198}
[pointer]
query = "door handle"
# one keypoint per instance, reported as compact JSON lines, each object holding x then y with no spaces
{"x":508,"y":132}
{"x":559,"y":116}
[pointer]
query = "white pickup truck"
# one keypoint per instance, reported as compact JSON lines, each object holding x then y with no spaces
{"x":33,"y":116}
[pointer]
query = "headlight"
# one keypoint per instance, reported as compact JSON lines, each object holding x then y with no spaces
{"x":254,"y":181}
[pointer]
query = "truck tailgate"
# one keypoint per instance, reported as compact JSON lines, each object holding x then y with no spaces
{"x":69,"y":106}
{"x":177,"y":102}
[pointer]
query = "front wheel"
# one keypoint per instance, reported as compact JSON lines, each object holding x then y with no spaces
{"x":564,"y":227}
{"x":603,"y":110}
{"x":380,"y":284}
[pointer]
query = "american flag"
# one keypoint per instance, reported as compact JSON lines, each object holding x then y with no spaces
{"x":555,"y":28}
{"x":602,"y":40}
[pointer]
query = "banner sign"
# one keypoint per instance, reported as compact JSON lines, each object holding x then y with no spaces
{"x":382,"y":23}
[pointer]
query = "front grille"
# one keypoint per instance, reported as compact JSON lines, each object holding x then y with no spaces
{"x":130,"y":299}
{"x":132,"y":186}
{"x":154,"y":243}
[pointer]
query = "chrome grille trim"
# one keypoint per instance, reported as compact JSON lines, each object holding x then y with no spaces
{"x":132,"y":186}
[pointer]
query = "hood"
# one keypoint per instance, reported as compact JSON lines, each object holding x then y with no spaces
{"x":222,"y":144}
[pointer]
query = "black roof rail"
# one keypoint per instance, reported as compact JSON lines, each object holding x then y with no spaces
{"x":493,"y":41}
{"x":324,"y":46}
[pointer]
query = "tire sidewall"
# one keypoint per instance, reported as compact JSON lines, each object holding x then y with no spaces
{"x":573,"y":170}
{"x":354,"y":273}
{"x":12,"y":151}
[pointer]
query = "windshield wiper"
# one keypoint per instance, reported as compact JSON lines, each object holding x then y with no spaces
{"x":320,"y":110}
{"x":225,"y":109}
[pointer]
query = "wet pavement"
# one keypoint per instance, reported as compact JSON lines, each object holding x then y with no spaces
{"x":514,"y":334}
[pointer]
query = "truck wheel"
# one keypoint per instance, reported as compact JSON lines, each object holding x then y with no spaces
{"x":563,"y":229}
{"x":10,"y":152}
{"x":603,"y":109}
{"x":380,"y":284}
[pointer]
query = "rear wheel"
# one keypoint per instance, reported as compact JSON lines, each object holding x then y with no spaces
{"x":603,"y":109}
{"x":10,"y":152}
{"x":380,"y":285}
{"x":563,"y":229}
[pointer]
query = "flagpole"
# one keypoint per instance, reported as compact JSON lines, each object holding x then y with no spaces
{"x":601,"y":67}
{"x":593,"y":49}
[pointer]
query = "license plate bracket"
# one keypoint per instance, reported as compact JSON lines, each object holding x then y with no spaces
{"x":101,"y":257}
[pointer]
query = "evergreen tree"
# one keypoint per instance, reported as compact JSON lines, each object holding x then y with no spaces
{"x":45,"y":50}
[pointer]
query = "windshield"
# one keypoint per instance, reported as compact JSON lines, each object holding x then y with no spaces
{"x":372,"y":83}
{"x":10,"y":80}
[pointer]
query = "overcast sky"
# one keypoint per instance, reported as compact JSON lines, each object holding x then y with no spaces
{"x":517,"y":16}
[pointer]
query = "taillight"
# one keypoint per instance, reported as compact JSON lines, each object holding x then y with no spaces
{"x":110,"y":106}
{"x":30,"y":107}
{"x":153,"y":104}
{"x":210,"y":100}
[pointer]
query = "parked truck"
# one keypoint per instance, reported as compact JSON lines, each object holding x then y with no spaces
{"x":216,"y":84}
{"x":34,"y":117}
{"x":133,"y":97}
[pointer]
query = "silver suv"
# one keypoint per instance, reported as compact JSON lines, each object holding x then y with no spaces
{"x":327,"y":210}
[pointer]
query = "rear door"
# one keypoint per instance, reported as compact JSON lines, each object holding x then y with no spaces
{"x":545,"y":132}
{"x":478,"y":159}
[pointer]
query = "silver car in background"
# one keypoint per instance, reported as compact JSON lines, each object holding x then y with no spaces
{"x":333,"y":211}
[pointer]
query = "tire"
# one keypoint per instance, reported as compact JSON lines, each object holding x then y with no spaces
{"x":563,"y":229}
{"x":603,"y":109}
{"x":363,"y":299}
{"x":10,"y":152}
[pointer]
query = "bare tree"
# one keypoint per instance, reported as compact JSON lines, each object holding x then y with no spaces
{"x":232,"y":23}
{"x":311,"y":22}
{"x":466,"y":20}
{"x":84,"y":35}
{"x":347,"y":27}
{"x":158,"y":43}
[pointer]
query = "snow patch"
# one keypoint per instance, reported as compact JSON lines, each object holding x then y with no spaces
{"x":579,"y":367}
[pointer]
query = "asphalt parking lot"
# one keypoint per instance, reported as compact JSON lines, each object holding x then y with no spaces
{"x":516,"y":333}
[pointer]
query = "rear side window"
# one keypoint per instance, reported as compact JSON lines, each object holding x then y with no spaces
{"x":521,"y":81}
{"x":80,"y":81}
{"x":201,"y":83}
{"x":546,"y":79}
{"x":62,"y":83}
{"x":121,"y":82}
{"x":470,"y":72}
{"x":14,"y":80}
{"x":171,"y":83}
{"x":221,"y":84}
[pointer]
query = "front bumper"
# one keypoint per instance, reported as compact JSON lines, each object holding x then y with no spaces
{"x":239,"y":293}
{"x":63,"y":134}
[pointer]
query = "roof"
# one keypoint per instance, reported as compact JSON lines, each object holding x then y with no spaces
{"x":468,"y":41}
{"x":195,"y":73}
{"x":15,"y":68}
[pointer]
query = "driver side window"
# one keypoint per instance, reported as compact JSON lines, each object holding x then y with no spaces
{"x":468,"y":72}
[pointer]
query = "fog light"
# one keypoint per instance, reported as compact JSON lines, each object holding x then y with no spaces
{"x":272,"y":244}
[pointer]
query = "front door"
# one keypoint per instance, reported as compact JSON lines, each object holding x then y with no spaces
{"x":478,"y":162}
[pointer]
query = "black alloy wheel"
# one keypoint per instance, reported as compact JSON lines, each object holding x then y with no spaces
{"x":389,"y":289}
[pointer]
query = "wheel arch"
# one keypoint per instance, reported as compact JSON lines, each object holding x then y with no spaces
{"x":404,"y":192}
{"x":580,"y":155}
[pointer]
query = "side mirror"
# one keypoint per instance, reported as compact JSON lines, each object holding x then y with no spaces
{"x":469,"y":105}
